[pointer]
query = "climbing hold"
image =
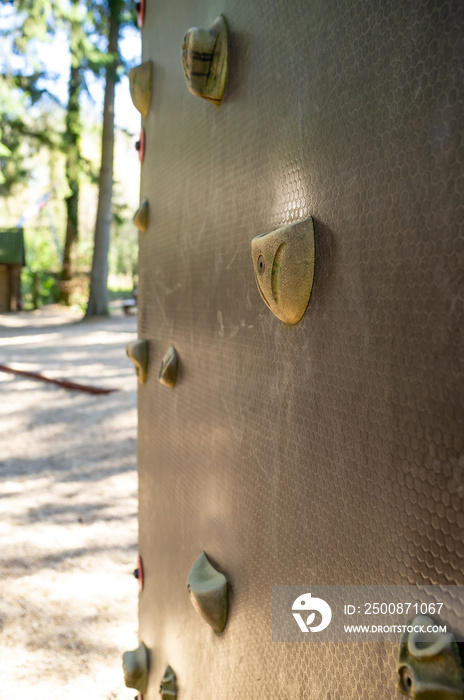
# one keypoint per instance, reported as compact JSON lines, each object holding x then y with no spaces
{"x":168,"y":686}
{"x":137,"y":351}
{"x":429,"y":663}
{"x":140,"y":219}
{"x":169,"y":366}
{"x":140,"y":79}
{"x":135,"y":666}
{"x":204,"y":60}
{"x":283,"y":262}
{"x":208,"y":592}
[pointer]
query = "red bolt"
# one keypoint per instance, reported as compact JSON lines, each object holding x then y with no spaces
{"x":138,"y":573}
{"x":140,"y":146}
{"x":141,"y":13}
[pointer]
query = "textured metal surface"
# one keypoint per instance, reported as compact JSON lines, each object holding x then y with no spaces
{"x":328,"y":452}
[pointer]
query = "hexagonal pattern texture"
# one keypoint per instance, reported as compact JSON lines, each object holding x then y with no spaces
{"x":329,"y":452}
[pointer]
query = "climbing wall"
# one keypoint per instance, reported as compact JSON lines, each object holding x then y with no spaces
{"x":329,"y":451}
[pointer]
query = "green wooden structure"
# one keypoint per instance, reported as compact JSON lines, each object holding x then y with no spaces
{"x":12,"y":259}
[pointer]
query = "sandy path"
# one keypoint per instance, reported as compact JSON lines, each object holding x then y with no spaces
{"x":68,"y":509}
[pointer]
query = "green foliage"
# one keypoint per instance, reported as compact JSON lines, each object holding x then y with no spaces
{"x":123,"y":252}
{"x":39,"y":288}
{"x":38,"y":21}
{"x":39,"y":279}
{"x":32,"y":120}
{"x":41,"y":254}
{"x":27,"y":109}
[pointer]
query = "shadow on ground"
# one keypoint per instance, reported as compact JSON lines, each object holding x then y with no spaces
{"x":68,"y":508}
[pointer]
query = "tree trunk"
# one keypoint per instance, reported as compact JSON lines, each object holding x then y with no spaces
{"x":98,"y":299}
{"x":73,"y":157}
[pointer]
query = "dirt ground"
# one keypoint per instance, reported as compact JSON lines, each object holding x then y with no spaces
{"x":68,"y":508}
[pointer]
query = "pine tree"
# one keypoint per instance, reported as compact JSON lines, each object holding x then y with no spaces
{"x":72,"y":142}
{"x":98,"y":301}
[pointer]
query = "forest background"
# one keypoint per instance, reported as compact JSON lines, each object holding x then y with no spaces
{"x":55,"y":67}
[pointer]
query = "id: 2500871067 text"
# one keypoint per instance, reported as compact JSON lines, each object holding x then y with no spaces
{"x":394,"y":609}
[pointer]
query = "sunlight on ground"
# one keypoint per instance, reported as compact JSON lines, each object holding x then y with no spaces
{"x":68,"y":509}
